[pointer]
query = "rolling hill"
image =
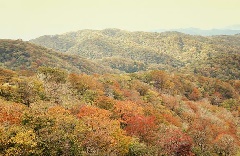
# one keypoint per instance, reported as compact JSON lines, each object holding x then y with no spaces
{"x":215,"y":56}
{"x":142,"y":112}
{"x":20,"y":55}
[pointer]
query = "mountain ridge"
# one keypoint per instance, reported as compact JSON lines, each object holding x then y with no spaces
{"x":171,"y":51}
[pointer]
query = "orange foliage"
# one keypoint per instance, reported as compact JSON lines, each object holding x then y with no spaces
{"x":193,"y":106}
{"x":83,"y":82}
{"x":195,"y":95}
{"x":90,"y":111}
{"x":11,"y":113}
{"x":58,"y":110}
{"x":173,"y":120}
{"x":124,"y":110}
{"x":6,"y":75}
{"x":104,"y":134}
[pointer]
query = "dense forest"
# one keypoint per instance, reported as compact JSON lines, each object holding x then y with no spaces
{"x":213,"y":56}
{"x":20,"y":55}
{"x":151,"y":113}
{"x":114,"y":92}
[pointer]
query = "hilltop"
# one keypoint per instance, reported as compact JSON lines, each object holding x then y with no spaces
{"x":215,"y":56}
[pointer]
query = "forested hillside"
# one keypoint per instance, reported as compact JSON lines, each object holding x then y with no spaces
{"x":148,"y":113}
{"x":20,"y":55}
{"x":214,"y":56}
{"x":114,"y":92}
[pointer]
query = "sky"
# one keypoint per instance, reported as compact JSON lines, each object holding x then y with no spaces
{"x":28,"y":19}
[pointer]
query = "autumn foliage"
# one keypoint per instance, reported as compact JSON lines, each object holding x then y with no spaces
{"x":149,"y":113}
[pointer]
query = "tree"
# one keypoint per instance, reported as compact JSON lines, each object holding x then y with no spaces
{"x":124,"y":110}
{"x":158,"y":78}
{"x":29,"y":91}
{"x":25,"y":143}
{"x":104,"y":102}
{"x":52,"y":74}
{"x":54,"y":83}
{"x":195,"y":95}
{"x":203,"y":132}
{"x":10,"y":113}
{"x":59,"y":132}
{"x":143,"y":127}
{"x":81,"y":83}
{"x":225,"y":145}
{"x":174,"y":142}
{"x":104,"y":135}
{"x":6,"y":75}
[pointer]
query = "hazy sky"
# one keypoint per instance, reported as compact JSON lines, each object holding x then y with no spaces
{"x":28,"y":19}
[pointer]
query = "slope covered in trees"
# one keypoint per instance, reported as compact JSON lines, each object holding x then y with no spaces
{"x":148,"y":113}
{"x":214,"y":56}
{"x":72,"y":102}
{"x":19,"y":55}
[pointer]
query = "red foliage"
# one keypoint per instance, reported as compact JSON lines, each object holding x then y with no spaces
{"x":142,"y":127}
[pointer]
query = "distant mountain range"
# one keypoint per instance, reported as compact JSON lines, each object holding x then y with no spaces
{"x":119,"y":51}
{"x":212,"y":56}
{"x":232,"y":30}
{"x":233,"y":27}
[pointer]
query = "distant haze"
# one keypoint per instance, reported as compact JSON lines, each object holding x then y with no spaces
{"x":202,"y":32}
{"x":29,"y":19}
